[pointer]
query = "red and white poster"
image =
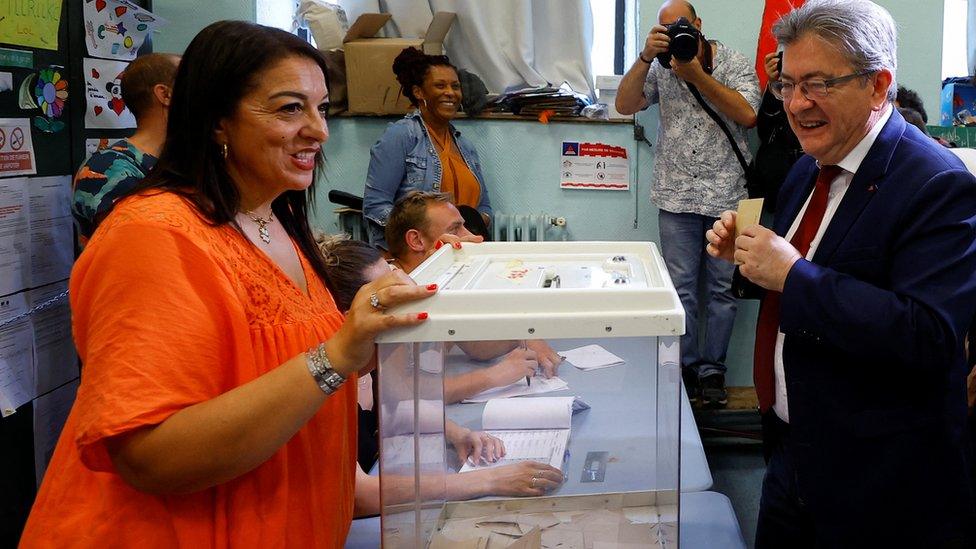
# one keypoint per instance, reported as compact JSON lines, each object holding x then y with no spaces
{"x":596,"y":166}
{"x":103,"y":94}
{"x":16,"y":147}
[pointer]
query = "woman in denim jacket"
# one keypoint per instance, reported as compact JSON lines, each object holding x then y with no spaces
{"x":423,"y":151}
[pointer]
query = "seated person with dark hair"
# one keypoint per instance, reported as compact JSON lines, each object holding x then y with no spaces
{"x":111,"y":173}
{"x":351,"y":264}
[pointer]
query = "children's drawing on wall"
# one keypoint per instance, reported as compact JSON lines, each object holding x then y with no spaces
{"x":50,"y":93}
{"x":33,"y":24}
{"x":116,"y":29}
{"x":25,"y":98}
{"x":103,"y":91}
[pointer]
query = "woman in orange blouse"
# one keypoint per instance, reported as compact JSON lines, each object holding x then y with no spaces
{"x":212,"y":410}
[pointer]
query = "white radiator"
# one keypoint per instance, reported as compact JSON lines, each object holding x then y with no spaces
{"x":508,"y":227}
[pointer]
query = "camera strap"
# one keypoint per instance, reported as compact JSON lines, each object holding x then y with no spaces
{"x":721,"y":124}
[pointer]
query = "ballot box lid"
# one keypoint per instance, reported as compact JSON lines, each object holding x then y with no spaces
{"x":533,"y":290}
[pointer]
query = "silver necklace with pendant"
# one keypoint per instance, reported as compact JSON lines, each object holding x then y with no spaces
{"x":263,"y":232}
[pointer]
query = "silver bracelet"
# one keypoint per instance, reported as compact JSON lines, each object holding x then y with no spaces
{"x":321,"y":369}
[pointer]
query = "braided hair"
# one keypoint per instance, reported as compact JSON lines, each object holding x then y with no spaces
{"x":411,"y":67}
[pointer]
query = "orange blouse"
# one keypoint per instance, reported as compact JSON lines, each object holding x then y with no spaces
{"x":456,"y":177}
{"x":167,"y":312}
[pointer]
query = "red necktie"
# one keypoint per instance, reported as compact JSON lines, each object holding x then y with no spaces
{"x":768,"y":325}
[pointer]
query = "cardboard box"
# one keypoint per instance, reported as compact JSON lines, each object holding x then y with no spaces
{"x":371,"y":84}
{"x":957,"y":98}
{"x":606,"y":86}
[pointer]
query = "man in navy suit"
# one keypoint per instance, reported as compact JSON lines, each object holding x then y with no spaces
{"x":870,"y":284}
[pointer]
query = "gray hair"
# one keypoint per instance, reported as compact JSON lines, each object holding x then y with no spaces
{"x":863,"y":32}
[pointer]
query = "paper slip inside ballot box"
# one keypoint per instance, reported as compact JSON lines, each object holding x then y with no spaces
{"x":591,"y":357}
{"x":538,"y":386}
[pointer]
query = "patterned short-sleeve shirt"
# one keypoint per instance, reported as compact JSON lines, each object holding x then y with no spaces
{"x":105,"y":177}
{"x":695,"y":169}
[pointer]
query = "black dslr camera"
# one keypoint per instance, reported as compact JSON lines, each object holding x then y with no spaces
{"x":684,"y":42}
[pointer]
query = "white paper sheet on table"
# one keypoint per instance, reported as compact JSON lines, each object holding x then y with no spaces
{"x":539,"y":386}
{"x":591,"y":357}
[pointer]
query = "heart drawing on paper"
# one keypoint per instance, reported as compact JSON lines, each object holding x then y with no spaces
{"x":95,"y":74}
{"x":120,"y":11}
{"x":99,"y":5}
{"x":117,"y":106}
{"x":98,"y":110}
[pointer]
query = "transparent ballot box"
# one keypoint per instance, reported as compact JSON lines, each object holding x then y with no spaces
{"x":607,"y":423}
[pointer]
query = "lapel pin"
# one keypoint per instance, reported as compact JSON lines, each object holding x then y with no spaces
{"x":872,"y":188}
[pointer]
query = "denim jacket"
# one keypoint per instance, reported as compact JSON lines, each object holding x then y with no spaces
{"x":404,"y":160}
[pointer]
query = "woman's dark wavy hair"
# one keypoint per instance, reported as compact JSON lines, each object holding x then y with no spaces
{"x":411,"y":66}
{"x":220,"y":66}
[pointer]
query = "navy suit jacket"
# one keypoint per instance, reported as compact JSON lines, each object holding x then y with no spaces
{"x":873,"y":352}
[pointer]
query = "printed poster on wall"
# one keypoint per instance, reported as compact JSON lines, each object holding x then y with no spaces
{"x":16,"y":354}
{"x":103,"y":92}
{"x":16,"y":147}
{"x":596,"y":166}
{"x":116,"y":29}
{"x":32,"y":23}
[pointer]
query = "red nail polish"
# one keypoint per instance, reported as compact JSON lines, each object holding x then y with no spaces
{"x":422,"y":316}
{"x":431,"y":287}
{"x":457,"y":245}
{"x":438,"y":245}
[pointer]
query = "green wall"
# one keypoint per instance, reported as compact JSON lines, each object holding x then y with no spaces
{"x":187,"y":17}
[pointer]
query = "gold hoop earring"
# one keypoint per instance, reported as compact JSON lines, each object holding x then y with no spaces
{"x":425,"y":104}
{"x":223,"y":150}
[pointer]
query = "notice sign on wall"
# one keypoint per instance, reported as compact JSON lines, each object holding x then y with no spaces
{"x":16,"y":147}
{"x":594,"y":166}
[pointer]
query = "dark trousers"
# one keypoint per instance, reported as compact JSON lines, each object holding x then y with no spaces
{"x":784,"y":518}
{"x":787,"y":521}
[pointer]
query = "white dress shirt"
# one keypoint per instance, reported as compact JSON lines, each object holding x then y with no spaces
{"x":838,"y":188}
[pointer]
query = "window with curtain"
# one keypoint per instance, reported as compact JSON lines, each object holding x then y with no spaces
{"x":511,"y":43}
{"x":958,"y":38}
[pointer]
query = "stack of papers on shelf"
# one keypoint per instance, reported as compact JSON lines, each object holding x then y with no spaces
{"x":532,"y":429}
{"x":563,"y":101}
{"x":591,"y":357}
{"x":521,"y":387}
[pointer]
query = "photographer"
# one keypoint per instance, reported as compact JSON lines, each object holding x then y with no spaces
{"x":696,"y":173}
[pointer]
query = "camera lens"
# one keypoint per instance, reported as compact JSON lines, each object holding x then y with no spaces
{"x":684,"y":46}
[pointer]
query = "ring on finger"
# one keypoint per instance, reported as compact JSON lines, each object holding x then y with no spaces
{"x":374,"y":300}
{"x":534,"y":480}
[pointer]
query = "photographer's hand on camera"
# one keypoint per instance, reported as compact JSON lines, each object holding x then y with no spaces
{"x":657,"y":42}
{"x":690,"y":71}
{"x":771,"y":63}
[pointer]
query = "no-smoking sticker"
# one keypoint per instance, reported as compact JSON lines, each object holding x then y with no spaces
{"x":17,"y":139}
{"x":16,"y":147}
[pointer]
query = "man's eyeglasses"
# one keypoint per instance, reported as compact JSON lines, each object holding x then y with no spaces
{"x":815,"y":88}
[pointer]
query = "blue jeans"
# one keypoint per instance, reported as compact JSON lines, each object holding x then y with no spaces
{"x":702,"y":281}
